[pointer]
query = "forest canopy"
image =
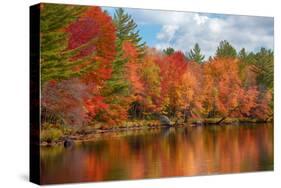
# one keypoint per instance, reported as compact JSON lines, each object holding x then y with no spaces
{"x":96,"y":70}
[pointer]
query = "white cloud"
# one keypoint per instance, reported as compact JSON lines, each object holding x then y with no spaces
{"x":200,"y":19}
{"x":167,"y":33}
{"x":181,"y":30}
{"x":215,"y":25}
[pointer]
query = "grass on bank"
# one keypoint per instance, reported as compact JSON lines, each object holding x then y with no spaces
{"x":53,"y":133}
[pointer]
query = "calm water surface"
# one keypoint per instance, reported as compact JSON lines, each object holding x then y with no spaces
{"x":160,"y":153}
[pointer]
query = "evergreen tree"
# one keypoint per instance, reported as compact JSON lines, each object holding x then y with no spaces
{"x":242,"y":54}
{"x":195,"y":54}
{"x":118,"y":88}
{"x":225,"y":49}
{"x":71,"y":42}
{"x":263,"y":65}
{"x":55,"y":64}
{"x":169,"y":51}
{"x":246,"y":60}
{"x":245,"y":57}
{"x":126,"y":29}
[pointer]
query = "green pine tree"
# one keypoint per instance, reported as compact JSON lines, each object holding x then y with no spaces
{"x":242,"y":54}
{"x":264,"y":66}
{"x":195,"y":54}
{"x":245,"y":57}
{"x":126,"y":29}
{"x":225,"y":49}
{"x":54,"y":58}
{"x":169,"y":51}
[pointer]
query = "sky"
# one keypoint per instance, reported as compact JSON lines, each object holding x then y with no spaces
{"x":181,"y":30}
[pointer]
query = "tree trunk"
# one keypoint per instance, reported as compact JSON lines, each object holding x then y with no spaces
{"x":221,"y":120}
{"x":270,"y":116}
{"x":187,"y":114}
{"x":229,"y":113}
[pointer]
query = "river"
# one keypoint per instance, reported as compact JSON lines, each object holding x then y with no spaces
{"x":154,"y":153}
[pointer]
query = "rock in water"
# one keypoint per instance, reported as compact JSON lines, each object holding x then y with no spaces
{"x":164,"y":120}
{"x":68,"y":143}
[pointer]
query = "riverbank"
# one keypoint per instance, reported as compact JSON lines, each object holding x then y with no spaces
{"x":55,"y":134}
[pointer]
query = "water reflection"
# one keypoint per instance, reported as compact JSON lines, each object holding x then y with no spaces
{"x":161,"y":153}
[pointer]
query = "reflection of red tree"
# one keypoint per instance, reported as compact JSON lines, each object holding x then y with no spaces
{"x":95,"y":168}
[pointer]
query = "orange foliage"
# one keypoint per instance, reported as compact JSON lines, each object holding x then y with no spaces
{"x":263,"y":110}
{"x":150,"y":77}
{"x":172,"y":71}
{"x":79,"y":100}
{"x":133,"y":67}
{"x":103,"y":57}
{"x":191,"y":90}
{"x":220,"y":87}
{"x":225,"y":94}
{"x":115,"y":114}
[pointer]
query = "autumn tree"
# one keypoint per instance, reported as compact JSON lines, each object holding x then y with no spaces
{"x":223,"y":87}
{"x":151,"y":81}
{"x":193,"y":97}
{"x":95,"y":69}
{"x":136,"y":87}
{"x":105,"y":53}
{"x":70,"y":102}
{"x":264,"y":108}
{"x":93,"y":33}
{"x":56,"y":53}
{"x":226,"y":96}
{"x":124,"y":89}
{"x":172,"y":70}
